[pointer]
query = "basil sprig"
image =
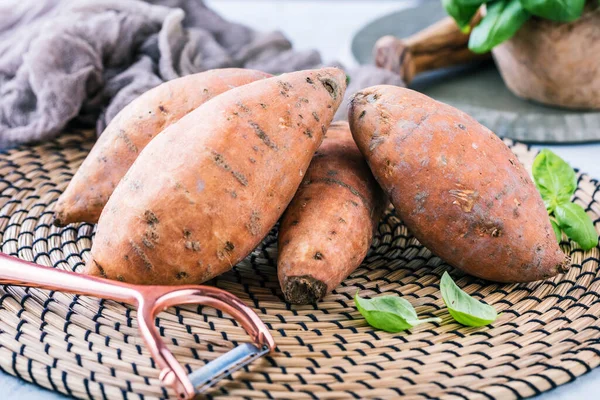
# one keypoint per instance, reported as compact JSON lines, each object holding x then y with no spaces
{"x":389,"y":313}
{"x":556,"y":181}
{"x":464,"y":308}
{"x":462,"y":13}
{"x":555,"y":10}
{"x":503,"y":18}
{"x":395,"y":314}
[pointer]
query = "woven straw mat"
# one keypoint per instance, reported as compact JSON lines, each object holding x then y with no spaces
{"x":547,"y":335}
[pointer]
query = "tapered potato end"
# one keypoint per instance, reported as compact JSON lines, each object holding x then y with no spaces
{"x":303,"y":289}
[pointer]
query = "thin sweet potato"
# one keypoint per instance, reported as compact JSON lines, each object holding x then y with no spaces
{"x":206,"y":190}
{"x":328,"y":227}
{"x":457,"y":187}
{"x":131,"y":130}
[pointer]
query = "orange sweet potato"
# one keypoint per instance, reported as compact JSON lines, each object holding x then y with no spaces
{"x":328,"y":227}
{"x":456,"y":185}
{"x":131,"y":130}
{"x":206,"y":190}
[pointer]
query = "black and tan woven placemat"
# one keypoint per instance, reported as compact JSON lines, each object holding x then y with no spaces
{"x":548,"y":333}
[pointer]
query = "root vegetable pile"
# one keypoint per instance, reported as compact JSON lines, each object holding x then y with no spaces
{"x":131,"y":130}
{"x":207,"y":189}
{"x":190,"y":177}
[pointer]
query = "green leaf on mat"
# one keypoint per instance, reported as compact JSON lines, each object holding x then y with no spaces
{"x":574,"y":221}
{"x":389,"y":313}
{"x":554,"y":178}
{"x":464,"y":308}
{"x":502,"y":20}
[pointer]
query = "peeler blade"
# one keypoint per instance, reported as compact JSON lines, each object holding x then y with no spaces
{"x":225,"y":365}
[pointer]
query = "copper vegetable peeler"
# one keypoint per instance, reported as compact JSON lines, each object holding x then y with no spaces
{"x":150,"y":300}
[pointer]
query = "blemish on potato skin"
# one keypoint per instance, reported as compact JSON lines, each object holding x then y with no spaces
{"x":362,"y":114}
{"x":226,"y":251}
{"x":285,"y":88}
{"x":192,"y":245}
{"x":130,"y":145}
{"x":140,"y":253}
{"x":465,"y":198}
{"x":134,"y":185}
{"x":150,"y":217}
{"x":181,"y":275}
{"x":318,"y":256}
{"x":146,"y":242}
{"x":315,"y":116}
{"x":330,"y":86}
{"x":254,"y":226}
{"x":308,"y":133}
{"x":162,"y":109}
{"x":243,"y":107}
{"x":220,"y":161}
{"x":101,"y":270}
{"x":420,"y":199}
{"x":262,"y":135}
{"x":376,"y":140}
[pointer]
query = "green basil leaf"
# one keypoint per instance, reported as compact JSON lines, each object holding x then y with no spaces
{"x":554,"y":178}
{"x":574,"y":221}
{"x":389,"y":313}
{"x":502,"y":20}
{"x":556,"y":229}
{"x":464,"y":308}
{"x":470,"y":2}
{"x":462,"y":13}
{"x":555,"y":10}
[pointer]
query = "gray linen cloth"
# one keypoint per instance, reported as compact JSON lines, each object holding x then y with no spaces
{"x":85,"y":60}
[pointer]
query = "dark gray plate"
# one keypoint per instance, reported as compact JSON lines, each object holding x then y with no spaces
{"x":479,"y":89}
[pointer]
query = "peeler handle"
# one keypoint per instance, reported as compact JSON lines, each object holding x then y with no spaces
{"x":17,"y":272}
{"x":437,"y":46}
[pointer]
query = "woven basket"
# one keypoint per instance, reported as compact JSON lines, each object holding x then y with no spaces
{"x":548,"y":332}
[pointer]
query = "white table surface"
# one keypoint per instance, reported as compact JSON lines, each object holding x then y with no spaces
{"x":329,"y":27}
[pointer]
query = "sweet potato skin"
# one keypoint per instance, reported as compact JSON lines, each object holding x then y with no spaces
{"x":206,"y":190}
{"x":131,"y":130}
{"x":328,"y":227}
{"x":457,"y":187}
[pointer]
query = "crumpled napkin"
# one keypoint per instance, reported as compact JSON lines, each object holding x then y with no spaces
{"x":86,"y":60}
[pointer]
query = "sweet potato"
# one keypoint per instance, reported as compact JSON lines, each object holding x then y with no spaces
{"x":457,"y":187}
{"x":328,"y":227}
{"x":206,"y":190}
{"x":131,"y":130}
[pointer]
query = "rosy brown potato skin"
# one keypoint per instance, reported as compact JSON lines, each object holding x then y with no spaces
{"x":328,"y":227}
{"x":206,"y":190}
{"x":131,"y":130}
{"x":457,"y":187}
